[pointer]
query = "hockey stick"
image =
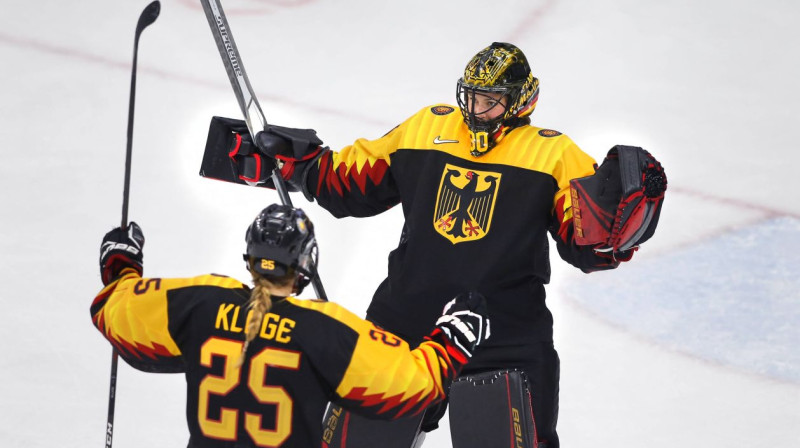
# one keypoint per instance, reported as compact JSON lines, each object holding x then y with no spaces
{"x":246,"y":97}
{"x":148,"y":16}
{"x":239,"y":81}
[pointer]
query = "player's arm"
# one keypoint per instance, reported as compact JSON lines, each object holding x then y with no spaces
{"x":575,"y":163}
{"x":131,"y":311}
{"x":382,"y":377}
{"x":354,"y":181}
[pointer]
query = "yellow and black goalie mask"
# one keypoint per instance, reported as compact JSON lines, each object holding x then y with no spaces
{"x":497,"y":77}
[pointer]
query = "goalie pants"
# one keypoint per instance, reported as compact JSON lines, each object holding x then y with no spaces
{"x":344,"y":429}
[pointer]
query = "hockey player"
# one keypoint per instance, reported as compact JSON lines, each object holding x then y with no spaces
{"x":261,"y":365}
{"x":480,"y":191}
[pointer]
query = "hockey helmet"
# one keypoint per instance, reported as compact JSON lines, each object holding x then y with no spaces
{"x":281,"y":241}
{"x":498,"y":76}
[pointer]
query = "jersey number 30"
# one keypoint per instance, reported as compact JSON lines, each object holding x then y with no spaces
{"x":225,"y":428}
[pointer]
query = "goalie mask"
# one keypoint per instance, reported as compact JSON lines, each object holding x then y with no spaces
{"x":280,"y":242}
{"x":496,"y":94}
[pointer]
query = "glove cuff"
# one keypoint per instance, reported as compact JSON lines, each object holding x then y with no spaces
{"x":118,"y":265}
{"x":458,"y":356}
{"x":306,"y":170}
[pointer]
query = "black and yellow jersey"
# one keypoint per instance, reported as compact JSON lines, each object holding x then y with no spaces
{"x":306,"y":353}
{"x":470,"y":222}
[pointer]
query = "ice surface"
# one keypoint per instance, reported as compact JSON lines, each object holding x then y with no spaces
{"x":709,"y":87}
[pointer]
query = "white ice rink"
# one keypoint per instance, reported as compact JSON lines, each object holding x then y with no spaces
{"x":696,"y":343}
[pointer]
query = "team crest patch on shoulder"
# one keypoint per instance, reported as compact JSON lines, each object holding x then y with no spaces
{"x":465,"y":203}
{"x":441,"y":110}
{"x":549,"y":133}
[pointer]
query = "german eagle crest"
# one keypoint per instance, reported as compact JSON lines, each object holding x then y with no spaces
{"x":465,"y":203}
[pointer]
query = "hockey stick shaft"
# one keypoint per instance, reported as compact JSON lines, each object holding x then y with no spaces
{"x":245,"y":96}
{"x":240,"y":82}
{"x":148,"y":16}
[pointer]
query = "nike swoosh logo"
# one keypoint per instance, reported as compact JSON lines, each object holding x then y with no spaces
{"x":439,"y":141}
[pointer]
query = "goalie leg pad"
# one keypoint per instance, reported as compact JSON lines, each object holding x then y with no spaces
{"x":492,"y":409}
{"x":342,"y":428}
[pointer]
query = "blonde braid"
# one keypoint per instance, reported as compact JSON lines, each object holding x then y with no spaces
{"x":260,"y":303}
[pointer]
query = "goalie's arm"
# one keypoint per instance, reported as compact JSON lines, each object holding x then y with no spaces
{"x":357,"y":180}
{"x":575,"y":163}
{"x":354,"y":181}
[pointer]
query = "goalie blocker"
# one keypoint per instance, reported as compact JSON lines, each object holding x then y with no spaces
{"x":231,"y":155}
{"x":617,"y":208}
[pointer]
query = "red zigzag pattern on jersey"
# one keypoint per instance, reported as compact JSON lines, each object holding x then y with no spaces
{"x":337,"y":178}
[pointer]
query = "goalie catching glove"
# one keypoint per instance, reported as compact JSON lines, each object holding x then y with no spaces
{"x":617,"y":208}
{"x":232,"y":156}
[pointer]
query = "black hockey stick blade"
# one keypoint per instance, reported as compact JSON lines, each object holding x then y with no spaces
{"x":148,"y":16}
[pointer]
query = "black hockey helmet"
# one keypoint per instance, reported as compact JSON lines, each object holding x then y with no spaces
{"x":280,"y":242}
{"x":499,"y":68}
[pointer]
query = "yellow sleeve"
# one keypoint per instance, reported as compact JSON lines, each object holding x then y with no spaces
{"x":573,"y":164}
{"x":384,"y":377}
{"x":357,"y":180}
{"x":132,"y":313}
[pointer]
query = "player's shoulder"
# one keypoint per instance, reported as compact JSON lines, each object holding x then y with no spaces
{"x":330,"y":310}
{"x":438,"y":112}
{"x":211,"y":280}
{"x":541,"y":135}
{"x":220,"y":280}
{"x":538,"y":149}
{"x":544,"y":140}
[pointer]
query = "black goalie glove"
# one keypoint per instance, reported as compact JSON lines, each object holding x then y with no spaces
{"x":617,"y":208}
{"x":465,"y":321}
{"x":121,"y":249}
{"x":295,"y":150}
{"x":231,"y":155}
{"x":289,"y":144}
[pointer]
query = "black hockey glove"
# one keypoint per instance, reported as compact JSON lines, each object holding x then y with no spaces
{"x":465,"y":321}
{"x":121,"y":249}
{"x":295,"y":150}
{"x":289,"y":144}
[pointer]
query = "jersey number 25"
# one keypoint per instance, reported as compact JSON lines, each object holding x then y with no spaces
{"x":225,"y":428}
